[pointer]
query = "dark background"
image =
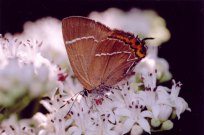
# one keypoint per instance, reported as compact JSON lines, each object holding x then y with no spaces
{"x":184,"y":51}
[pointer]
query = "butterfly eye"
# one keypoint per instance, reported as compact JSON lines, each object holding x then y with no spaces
{"x":143,"y":50}
{"x":137,"y":42}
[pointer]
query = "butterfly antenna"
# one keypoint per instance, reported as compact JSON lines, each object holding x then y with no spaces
{"x":83,"y":92}
{"x":75,"y":95}
{"x":148,"y":38}
{"x":73,"y":102}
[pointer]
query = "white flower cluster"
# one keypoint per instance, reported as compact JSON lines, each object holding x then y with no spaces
{"x":12,"y":126}
{"x":127,"y":109}
{"x":23,"y":71}
{"x":48,"y":30}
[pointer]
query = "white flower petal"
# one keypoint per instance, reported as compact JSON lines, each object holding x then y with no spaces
{"x":74,"y":131}
{"x":181,"y":106}
{"x":128,"y":125}
{"x":136,"y":130}
{"x":147,"y":114}
{"x":122,"y":112}
{"x":144,"y":124}
{"x":165,"y":112}
{"x":156,"y":110}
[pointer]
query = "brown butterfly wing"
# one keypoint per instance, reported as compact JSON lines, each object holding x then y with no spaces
{"x":79,"y":27}
{"x":120,"y":73}
{"x":80,"y":54}
{"x":80,"y":37}
{"x":112,"y":62}
{"x":119,"y":65}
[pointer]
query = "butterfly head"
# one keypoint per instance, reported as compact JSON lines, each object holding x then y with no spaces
{"x":140,"y":47}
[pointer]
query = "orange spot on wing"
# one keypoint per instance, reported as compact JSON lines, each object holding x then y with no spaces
{"x":131,"y":40}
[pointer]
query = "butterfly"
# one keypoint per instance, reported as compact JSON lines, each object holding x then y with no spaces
{"x":99,"y":56}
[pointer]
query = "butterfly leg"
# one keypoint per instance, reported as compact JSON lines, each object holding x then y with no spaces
{"x":106,"y":96}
